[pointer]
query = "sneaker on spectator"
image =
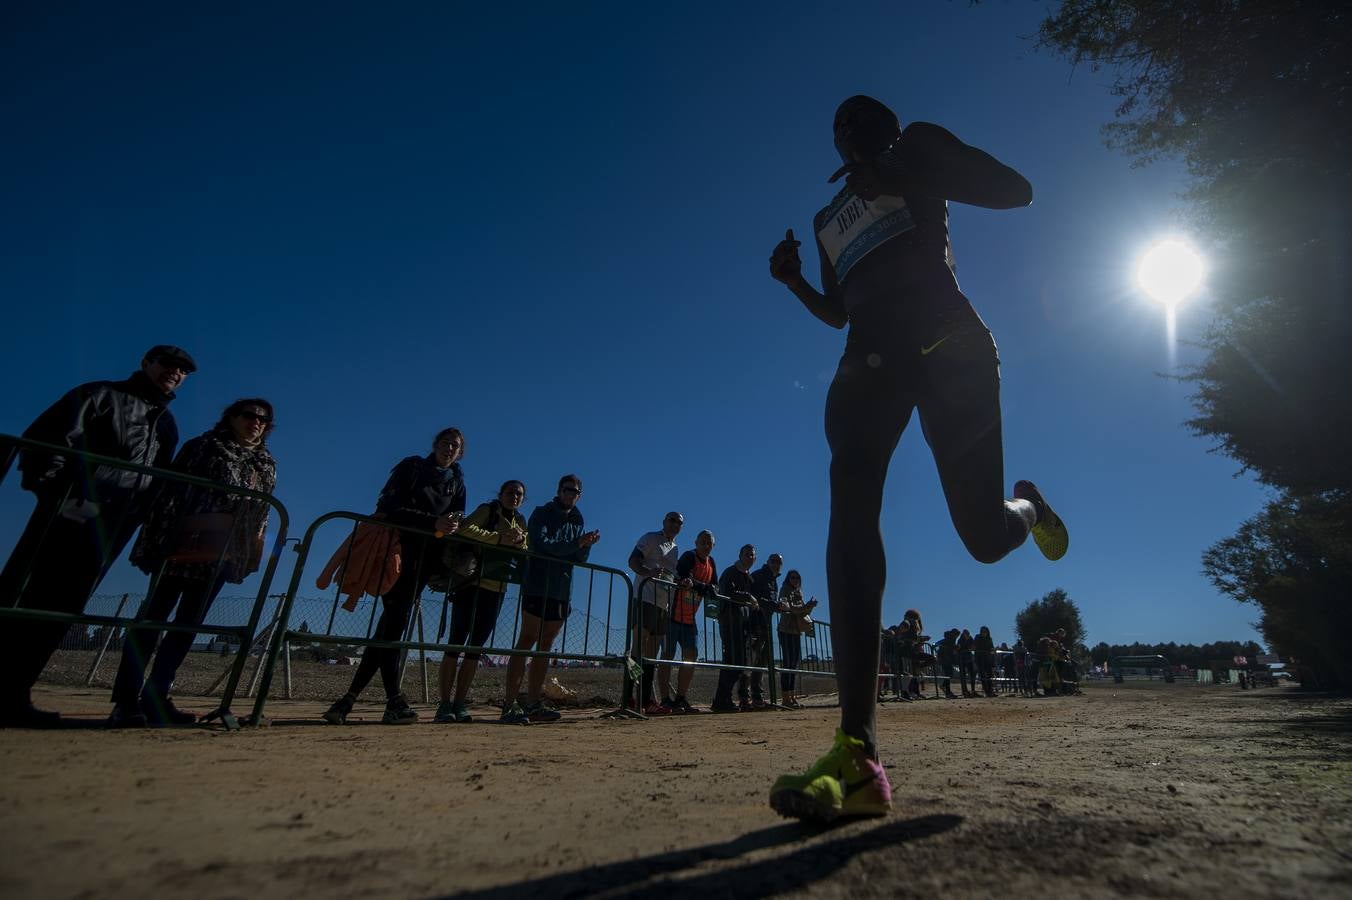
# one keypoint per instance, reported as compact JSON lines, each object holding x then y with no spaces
{"x":157,"y":715}
{"x":682,"y":705}
{"x":759,"y":703}
{"x":744,"y":705}
{"x":126,"y":716}
{"x":543,"y":711}
{"x":513,"y":714}
{"x":460,"y":709}
{"x":398,"y":712}
{"x":445,"y":714}
{"x":724,"y":706}
{"x":337,"y":713}
{"x":844,"y":782}
{"x":657,"y":709}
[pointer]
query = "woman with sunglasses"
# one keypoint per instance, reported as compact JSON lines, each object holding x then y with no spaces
{"x":793,"y":624}
{"x":555,"y":530}
{"x":194,"y":541}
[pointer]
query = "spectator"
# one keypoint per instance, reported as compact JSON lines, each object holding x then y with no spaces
{"x":736,"y":589}
{"x":194,"y":541}
{"x":967,"y":663}
{"x":984,"y":645}
{"x":1020,"y":655}
{"x":946,"y":657}
{"x":698,"y":575}
{"x":794,"y":622}
{"x":654,"y":557}
{"x":765,"y":588}
{"x":85,"y":515}
{"x":910,"y":635}
{"x":1049,"y":669}
{"x":889,"y":665}
{"x":1066,"y":663}
{"x":424,"y":495}
{"x":475,"y":604}
{"x":555,"y":529}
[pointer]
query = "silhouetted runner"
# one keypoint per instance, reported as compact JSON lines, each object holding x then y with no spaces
{"x":914,"y":343}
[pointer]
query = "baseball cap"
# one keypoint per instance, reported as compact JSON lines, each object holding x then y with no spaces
{"x":170,"y":353}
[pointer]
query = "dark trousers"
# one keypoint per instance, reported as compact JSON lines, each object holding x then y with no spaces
{"x":967,"y":666}
{"x":732,"y":631}
{"x":758,"y":648}
{"x":420,"y":558}
{"x":945,"y":668}
{"x":55,"y":566}
{"x":986,"y":667}
{"x":791,"y":656}
{"x":194,"y":598}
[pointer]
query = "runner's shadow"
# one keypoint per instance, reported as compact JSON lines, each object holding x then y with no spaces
{"x":652,"y":876}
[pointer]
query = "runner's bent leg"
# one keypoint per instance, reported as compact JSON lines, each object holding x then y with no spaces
{"x":960,"y":415}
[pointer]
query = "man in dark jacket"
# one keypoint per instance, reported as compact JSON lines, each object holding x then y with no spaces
{"x":765,"y":588}
{"x":85,"y":513}
{"x":555,"y":529}
{"x":736,"y":586}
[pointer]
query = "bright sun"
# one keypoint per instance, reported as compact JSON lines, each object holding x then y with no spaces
{"x":1170,"y":271}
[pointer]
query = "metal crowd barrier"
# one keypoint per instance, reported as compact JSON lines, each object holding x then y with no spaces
{"x":816,"y":650}
{"x":53,"y":506}
{"x":601,"y":642}
{"x":939,"y":676}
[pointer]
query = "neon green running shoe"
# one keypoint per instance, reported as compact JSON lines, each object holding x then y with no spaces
{"x":1049,"y":533}
{"x":844,"y":782}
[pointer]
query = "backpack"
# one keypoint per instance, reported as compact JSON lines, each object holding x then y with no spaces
{"x":462,"y":558}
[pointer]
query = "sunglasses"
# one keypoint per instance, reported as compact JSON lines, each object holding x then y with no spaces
{"x":256,"y":416}
{"x":571,"y":491}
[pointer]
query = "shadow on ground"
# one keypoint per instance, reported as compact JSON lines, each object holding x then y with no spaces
{"x":652,"y":876}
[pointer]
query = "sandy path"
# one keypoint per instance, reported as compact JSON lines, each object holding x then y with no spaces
{"x":1142,"y":791}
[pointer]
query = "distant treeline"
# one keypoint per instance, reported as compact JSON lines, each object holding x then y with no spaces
{"x":1190,"y":655}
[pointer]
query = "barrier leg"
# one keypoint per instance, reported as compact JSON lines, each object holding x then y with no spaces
{"x":260,"y":644}
{"x":107,"y":639}
{"x":630,"y":677}
{"x":772,"y":687}
{"x":422,"y":655}
{"x":286,"y":667}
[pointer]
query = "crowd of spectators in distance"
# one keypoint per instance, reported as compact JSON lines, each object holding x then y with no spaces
{"x":908,"y":657}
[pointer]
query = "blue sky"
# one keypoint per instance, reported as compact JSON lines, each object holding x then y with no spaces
{"x":551,"y":228}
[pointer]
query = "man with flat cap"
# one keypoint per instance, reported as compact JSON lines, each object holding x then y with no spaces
{"x":85,"y":513}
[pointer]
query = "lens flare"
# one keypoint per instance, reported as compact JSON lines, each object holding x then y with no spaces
{"x":1170,"y":271}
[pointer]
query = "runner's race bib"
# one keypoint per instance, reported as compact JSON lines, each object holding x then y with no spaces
{"x":855,"y":227}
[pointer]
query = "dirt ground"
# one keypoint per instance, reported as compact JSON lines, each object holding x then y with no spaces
{"x":1142,"y":789}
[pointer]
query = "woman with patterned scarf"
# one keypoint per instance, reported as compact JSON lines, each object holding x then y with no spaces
{"x":194,"y":541}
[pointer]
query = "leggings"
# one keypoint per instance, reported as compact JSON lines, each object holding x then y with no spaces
{"x":791,"y":656}
{"x":421,"y":559}
{"x":944,"y":365}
